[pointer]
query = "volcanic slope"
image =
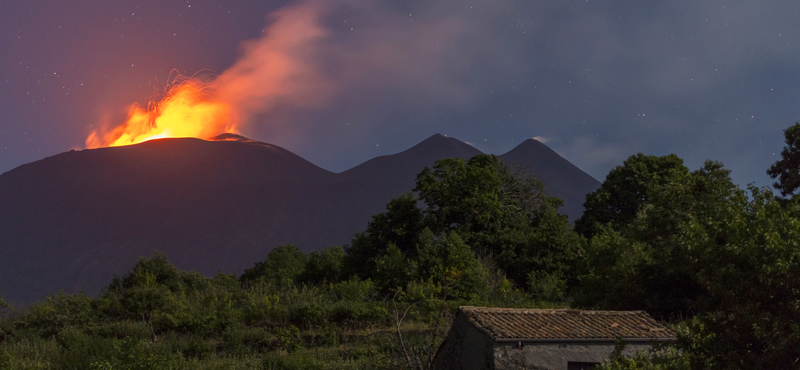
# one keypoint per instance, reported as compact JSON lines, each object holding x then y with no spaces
{"x":73,"y":220}
{"x":395,"y":174}
{"x":561,"y":178}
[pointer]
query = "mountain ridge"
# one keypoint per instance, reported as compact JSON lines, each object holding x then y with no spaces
{"x":73,"y":220}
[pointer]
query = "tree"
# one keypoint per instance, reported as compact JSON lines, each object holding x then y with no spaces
{"x":626,"y":190}
{"x":164,"y":272}
{"x":399,"y":226}
{"x":501,"y":214}
{"x":449,"y":262}
{"x":787,"y":169}
{"x":752,"y":284}
{"x":148,"y":291}
{"x":285,"y":263}
{"x":463,"y":196}
{"x":497,"y":213}
{"x":147,"y":298}
{"x":166,"y":298}
{"x":481,"y":195}
{"x":324,"y":266}
{"x":652,"y":262}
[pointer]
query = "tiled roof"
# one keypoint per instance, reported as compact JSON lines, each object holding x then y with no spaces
{"x":507,"y":323}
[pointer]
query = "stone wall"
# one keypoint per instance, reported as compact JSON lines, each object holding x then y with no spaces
{"x":555,"y":356}
{"x":465,"y":348}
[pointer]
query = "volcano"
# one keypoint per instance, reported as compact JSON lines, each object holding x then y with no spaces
{"x":561,"y":178}
{"x":74,"y":220}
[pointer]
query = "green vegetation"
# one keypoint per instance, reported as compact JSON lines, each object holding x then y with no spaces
{"x":721,"y":265}
{"x":386,"y":301}
{"x":787,"y":169}
{"x":475,"y":210}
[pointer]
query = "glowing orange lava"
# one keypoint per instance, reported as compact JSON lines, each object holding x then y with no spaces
{"x":188,"y":109}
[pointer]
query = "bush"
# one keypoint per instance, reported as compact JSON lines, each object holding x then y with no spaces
{"x":257,"y":306}
{"x":196,"y":346}
{"x":358,"y":314}
{"x":81,"y":350}
{"x":657,"y":358}
{"x":206,"y":311}
{"x":283,"y":264}
{"x":323,"y":267}
{"x":309,"y":315}
{"x":292,"y":363}
{"x":288,"y":339}
{"x":121,"y":329}
{"x":240,"y":340}
{"x":353,"y":289}
{"x":5,"y":359}
{"x":57,"y":312}
{"x":550,"y":287}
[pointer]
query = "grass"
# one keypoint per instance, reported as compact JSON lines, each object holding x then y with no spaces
{"x":237,"y":347}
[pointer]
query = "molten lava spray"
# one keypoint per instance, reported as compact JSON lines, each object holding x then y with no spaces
{"x":188,"y":109}
{"x":274,"y":69}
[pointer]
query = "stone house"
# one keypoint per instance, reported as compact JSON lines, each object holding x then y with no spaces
{"x":544,"y":339}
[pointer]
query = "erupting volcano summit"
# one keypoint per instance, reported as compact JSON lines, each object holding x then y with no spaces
{"x":189,"y":108}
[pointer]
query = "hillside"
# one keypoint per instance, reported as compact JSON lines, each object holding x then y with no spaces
{"x":73,"y":220}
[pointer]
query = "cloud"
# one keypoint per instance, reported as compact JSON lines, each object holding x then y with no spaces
{"x":369,"y":60}
{"x":592,"y":156}
{"x":541,"y":139}
{"x":278,"y":68}
{"x":328,"y":76}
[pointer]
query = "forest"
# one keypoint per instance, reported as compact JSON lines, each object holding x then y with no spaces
{"x":717,"y":263}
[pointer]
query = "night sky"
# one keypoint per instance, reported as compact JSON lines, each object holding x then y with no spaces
{"x":596,"y":81}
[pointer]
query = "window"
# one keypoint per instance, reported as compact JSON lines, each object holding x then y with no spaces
{"x":581,"y":365}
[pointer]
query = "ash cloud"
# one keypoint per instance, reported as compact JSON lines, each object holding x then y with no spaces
{"x":316,"y":57}
{"x":651,"y":78}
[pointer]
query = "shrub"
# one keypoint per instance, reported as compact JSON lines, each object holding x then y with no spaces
{"x":121,"y":329}
{"x":257,"y":306}
{"x":353,"y":289}
{"x":196,"y":346}
{"x":288,"y":338}
{"x":57,"y":312}
{"x":5,"y":359}
{"x":240,"y":340}
{"x":358,"y":314}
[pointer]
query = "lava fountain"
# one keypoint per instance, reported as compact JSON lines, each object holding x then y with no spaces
{"x":188,"y":108}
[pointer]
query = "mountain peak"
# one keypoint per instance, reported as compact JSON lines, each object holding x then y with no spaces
{"x":530,"y":145}
{"x":437,"y":138}
{"x":560,"y":177}
{"x":440,"y":141}
{"x":408,"y":163}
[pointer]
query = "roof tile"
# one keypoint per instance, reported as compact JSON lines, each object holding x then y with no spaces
{"x":506,"y":323}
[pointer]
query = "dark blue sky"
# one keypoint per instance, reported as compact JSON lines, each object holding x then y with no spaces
{"x":596,"y":80}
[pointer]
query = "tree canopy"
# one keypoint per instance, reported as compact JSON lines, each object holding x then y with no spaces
{"x":650,"y":262}
{"x":504,"y":218}
{"x":787,"y":169}
{"x":626,"y":190}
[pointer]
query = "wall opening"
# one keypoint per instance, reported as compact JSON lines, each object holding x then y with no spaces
{"x":581,"y":365}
